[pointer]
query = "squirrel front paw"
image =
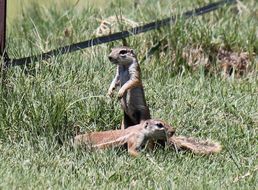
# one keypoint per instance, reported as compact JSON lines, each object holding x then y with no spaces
{"x":120,"y":94}
{"x":110,"y":92}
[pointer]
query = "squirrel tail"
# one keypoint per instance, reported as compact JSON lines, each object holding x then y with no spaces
{"x":194,"y":145}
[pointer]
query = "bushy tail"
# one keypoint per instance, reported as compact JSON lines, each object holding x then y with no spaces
{"x":194,"y":145}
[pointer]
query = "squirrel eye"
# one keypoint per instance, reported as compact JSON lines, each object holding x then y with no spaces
{"x":159,"y":125}
{"x":122,"y":52}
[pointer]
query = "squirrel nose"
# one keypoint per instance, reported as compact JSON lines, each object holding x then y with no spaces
{"x":110,"y":58}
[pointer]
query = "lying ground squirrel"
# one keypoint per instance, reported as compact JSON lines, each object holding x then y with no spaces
{"x":138,"y":135}
{"x":135,"y":136}
{"x":131,"y":93}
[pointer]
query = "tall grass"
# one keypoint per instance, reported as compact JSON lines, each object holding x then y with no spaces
{"x":42,"y":102}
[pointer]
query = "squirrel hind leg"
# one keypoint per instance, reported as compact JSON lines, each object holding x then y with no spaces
{"x":194,"y":145}
{"x":127,"y":122}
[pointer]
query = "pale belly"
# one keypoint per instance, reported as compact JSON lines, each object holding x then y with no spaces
{"x":124,"y":75}
{"x":133,"y":101}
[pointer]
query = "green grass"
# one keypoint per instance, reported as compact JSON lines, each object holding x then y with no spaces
{"x":41,"y":102}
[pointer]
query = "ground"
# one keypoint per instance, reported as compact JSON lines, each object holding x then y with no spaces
{"x":41,"y":102}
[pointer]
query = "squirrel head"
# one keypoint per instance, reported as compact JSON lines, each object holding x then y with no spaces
{"x":158,"y":129}
{"x":122,"y":56}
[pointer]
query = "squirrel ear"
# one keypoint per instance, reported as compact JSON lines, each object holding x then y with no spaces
{"x":160,"y":125}
{"x":146,"y":124}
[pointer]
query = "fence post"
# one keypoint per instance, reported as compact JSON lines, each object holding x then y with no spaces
{"x":3,"y":53}
{"x":2,"y":26}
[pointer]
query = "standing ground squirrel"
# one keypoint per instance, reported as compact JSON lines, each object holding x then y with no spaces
{"x":131,"y":93}
{"x":134,"y":136}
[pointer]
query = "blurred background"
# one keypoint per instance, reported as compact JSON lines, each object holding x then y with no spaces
{"x":15,"y":7}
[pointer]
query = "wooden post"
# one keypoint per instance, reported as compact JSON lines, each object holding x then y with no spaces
{"x":2,"y":26}
{"x":3,"y":53}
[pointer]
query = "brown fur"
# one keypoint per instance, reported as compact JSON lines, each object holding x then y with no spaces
{"x":194,"y":145}
{"x":131,"y":93}
{"x":135,"y":136}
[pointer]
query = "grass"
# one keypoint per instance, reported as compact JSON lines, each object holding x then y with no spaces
{"x":16,"y":7}
{"x":42,"y":101}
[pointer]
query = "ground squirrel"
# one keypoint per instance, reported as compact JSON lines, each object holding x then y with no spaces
{"x":135,"y":136}
{"x":131,"y":93}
